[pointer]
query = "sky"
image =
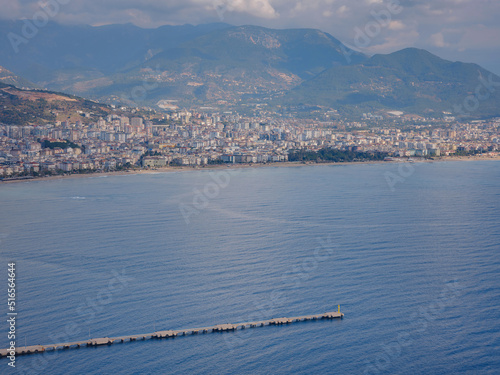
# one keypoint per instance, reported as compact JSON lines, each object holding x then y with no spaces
{"x":463,"y":30}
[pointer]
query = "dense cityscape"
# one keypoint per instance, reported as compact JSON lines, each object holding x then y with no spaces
{"x":191,"y":138}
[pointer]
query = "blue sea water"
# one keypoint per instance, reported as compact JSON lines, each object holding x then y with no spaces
{"x":411,"y":253}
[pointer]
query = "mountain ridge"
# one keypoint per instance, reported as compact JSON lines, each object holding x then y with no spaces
{"x":9,"y":78}
{"x":411,"y":79}
{"x":220,"y":64}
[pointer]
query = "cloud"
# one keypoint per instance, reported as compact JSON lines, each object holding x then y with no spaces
{"x":396,"y":25}
{"x":438,"y":40}
{"x":256,"y":8}
{"x":342,"y":11}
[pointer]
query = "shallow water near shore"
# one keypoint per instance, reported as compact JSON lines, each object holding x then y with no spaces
{"x":411,"y":255}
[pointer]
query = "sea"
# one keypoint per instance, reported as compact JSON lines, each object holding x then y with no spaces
{"x":409,"y":252}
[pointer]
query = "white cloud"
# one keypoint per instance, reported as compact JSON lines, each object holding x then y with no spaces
{"x":257,"y":8}
{"x":342,"y":10}
{"x":438,"y":40}
{"x":396,"y":25}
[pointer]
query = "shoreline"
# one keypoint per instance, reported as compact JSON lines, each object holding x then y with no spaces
{"x":256,"y":165}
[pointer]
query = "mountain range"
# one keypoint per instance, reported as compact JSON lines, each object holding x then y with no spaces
{"x":411,"y":80}
{"x":224,"y":65}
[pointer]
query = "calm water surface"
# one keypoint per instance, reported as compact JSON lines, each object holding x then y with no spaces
{"x":416,"y":269}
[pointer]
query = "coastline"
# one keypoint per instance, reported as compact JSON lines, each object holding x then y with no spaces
{"x":233,"y":166}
